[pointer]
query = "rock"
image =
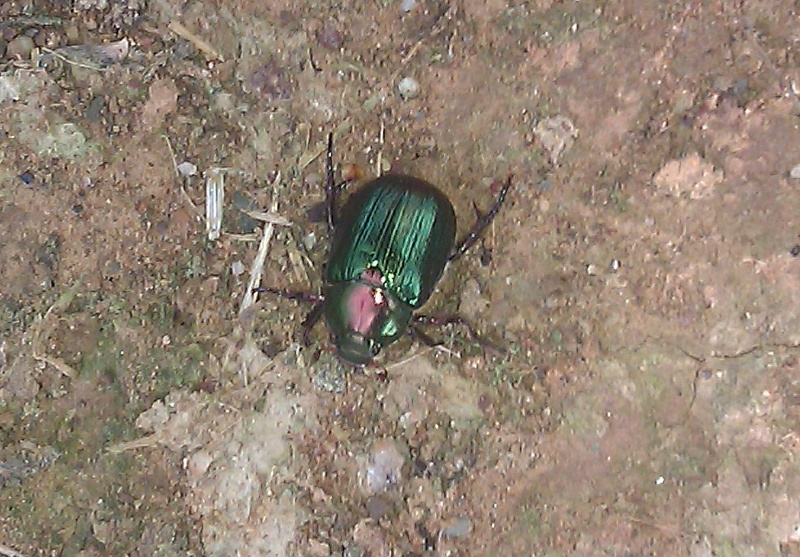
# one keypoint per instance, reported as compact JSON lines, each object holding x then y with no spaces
{"x":379,"y":506}
{"x":186,"y":169}
{"x":691,"y":176}
{"x":385,"y":466}
{"x":408,"y":88}
{"x":458,"y":529}
{"x":557,"y":135}
{"x":407,"y":5}
{"x":20,"y":47}
{"x":163,"y":101}
{"x":330,"y":37}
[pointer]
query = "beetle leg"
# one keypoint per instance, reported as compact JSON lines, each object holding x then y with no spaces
{"x":442,"y":320}
{"x":423,"y":337}
{"x":452,"y":319}
{"x":292,"y":294}
{"x":482,"y":222}
{"x":311,"y":320}
{"x":313,"y":316}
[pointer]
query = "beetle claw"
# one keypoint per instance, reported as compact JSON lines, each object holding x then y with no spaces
{"x":311,"y":320}
{"x":478,"y":213}
{"x":443,"y":320}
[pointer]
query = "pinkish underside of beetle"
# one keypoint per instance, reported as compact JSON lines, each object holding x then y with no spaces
{"x":366,"y":301}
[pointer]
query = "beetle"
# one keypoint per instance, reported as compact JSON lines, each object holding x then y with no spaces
{"x":391,"y":243}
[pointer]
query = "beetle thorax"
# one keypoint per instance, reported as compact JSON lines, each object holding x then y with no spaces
{"x":364,"y":315}
{"x":366,"y":301}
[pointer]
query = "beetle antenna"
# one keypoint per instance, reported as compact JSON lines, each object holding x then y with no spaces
{"x":330,"y":186}
{"x":296,"y":295}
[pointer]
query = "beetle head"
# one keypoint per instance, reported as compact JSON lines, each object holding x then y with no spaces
{"x":362,"y":317}
{"x":356,"y":349}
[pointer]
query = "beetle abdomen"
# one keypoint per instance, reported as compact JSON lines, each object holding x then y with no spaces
{"x":400,"y":226}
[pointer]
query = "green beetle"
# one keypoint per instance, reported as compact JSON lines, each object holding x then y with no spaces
{"x":394,"y":237}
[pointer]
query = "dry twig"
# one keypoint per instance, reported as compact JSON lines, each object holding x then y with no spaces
{"x":199,"y":43}
{"x":6,"y":551}
{"x":257,"y":267}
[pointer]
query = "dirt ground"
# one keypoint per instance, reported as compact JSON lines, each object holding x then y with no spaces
{"x":643,"y":279}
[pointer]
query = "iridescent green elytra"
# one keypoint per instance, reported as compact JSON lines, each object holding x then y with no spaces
{"x":392,"y":241}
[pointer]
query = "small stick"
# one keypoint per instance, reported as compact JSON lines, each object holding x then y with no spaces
{"x":6,"y":551}
{"x":172,"y":155}
{"x":39,"y":352}
{"x":178,"y":175}
{"x":73,"y":62}
{"x":57,"y":363}
{"x":141,"y":443}
{"x":410,"y":358}
{"x":269,"y":217}
{"x":198,"y":42}
{"x":258,"y":263}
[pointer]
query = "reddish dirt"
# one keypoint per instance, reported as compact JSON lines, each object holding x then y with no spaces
{"x":642,"y":278}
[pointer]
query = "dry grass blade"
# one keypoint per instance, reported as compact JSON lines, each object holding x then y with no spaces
{"x":257,"y":267}
{"x":178,"y":174}
{"x":141,"y":443}
{"x":6,"y":551}
{"x":57,"y":363}
{"x":199,"y":43}
{"x":268,"y":217}
{"x":37,"y":344}
{"x":215,"y":200}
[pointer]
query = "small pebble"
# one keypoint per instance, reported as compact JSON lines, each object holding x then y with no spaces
{"x":408,"y":88}
{"x":354,"y":551}
{"x":329,"y":375}
{"x":379,"y":507}
{"x":309,"y":241}
{"x":72,"y":33}
{"x":544,"y":205}
{"x":271,"y":82}
{"x":795,"y":172}
{"x":459,"y":529}
{"x":20,"y":47}
{"x":384,"y":467}
{"x":486,"y":256}
{"x":407,"y":5}
{"x":94,"y":112}
{"x":237,"y":268}
{"x":312,"y":180}
{"x":795,"y":251}
{"x":198,"y":464}
{"x":329,"y":36}
{"x":39,"y":38}
{"x":187,"y":169}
